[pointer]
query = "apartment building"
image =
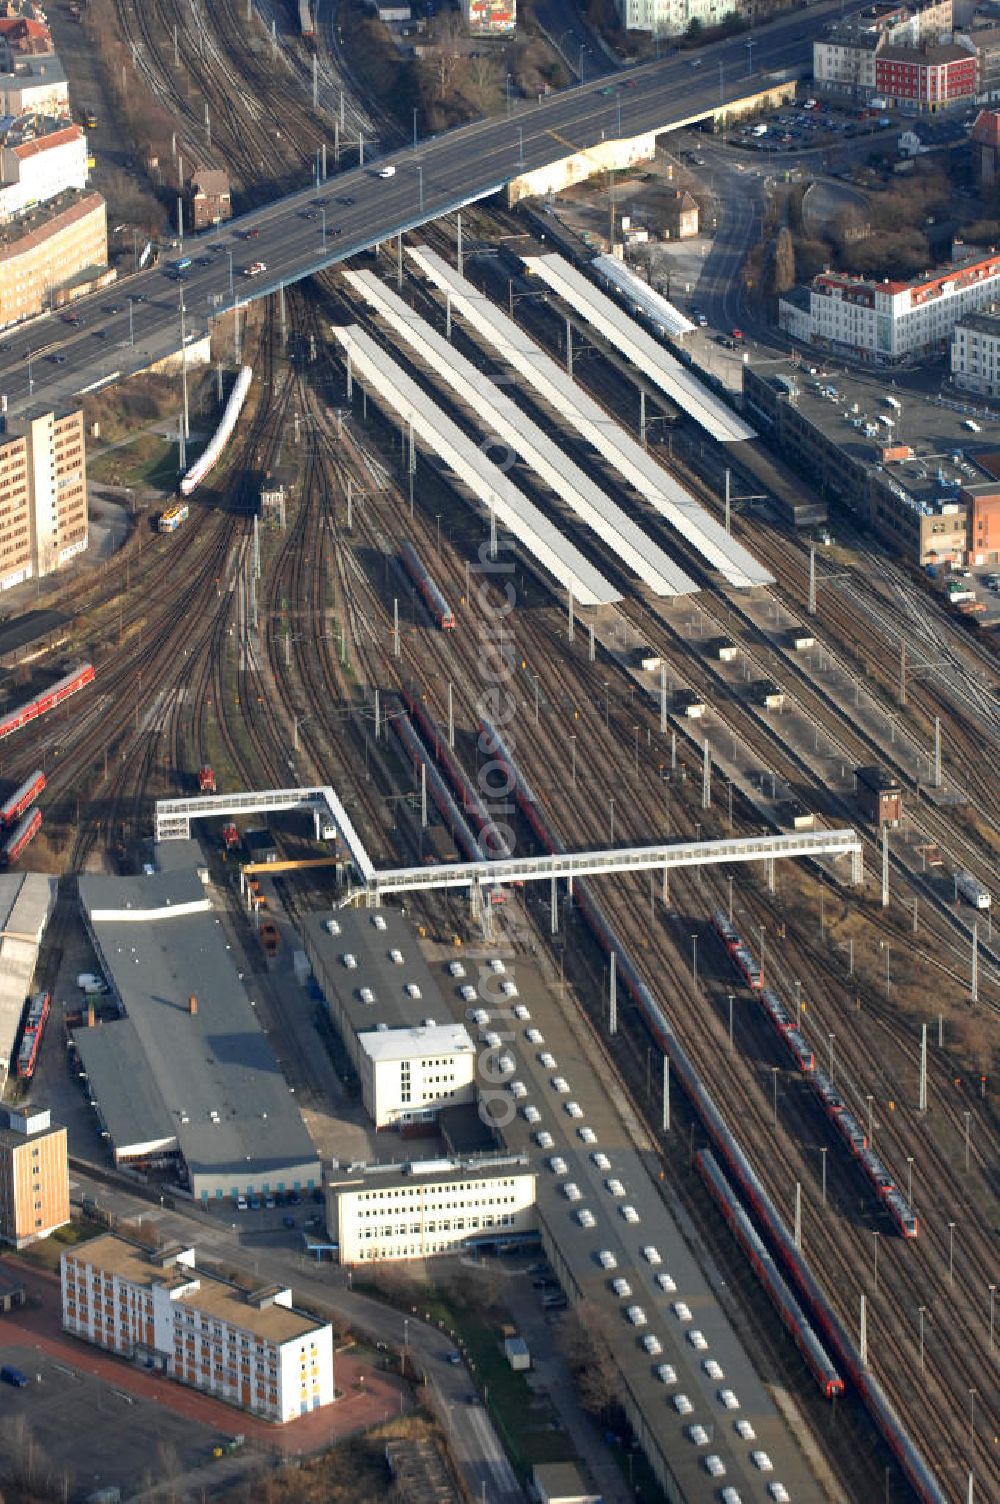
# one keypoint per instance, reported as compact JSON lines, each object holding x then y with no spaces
{"x":43,"y":495}
{"x":844,"y":57}
{"x":252,"y":1349}
{"x":889,"y":320}
{"x":427,"y":1207}
{"x":34,"y":1176}
{"x":670,"y":18}
{"x":975,"y":354}
{"x":927,"y":79}
{"x":51,"y":253}
{"x":38,"y":160}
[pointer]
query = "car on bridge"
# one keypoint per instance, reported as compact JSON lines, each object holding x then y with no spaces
{"x":255,"y":268}
{"x":387,"y":172}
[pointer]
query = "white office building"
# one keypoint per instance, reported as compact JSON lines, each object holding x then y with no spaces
{"x":427,"y":1207}
{"x":409,"y":1075}
{"x":250,"y":1348}
{"x":887,"y":321}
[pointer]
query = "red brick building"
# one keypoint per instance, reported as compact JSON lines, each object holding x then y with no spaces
{"x":926,"y":78}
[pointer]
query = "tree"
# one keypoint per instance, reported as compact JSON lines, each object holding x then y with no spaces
{"x":782,"y":263}
{"x":586,"y":1342}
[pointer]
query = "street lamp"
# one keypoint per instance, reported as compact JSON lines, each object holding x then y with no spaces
{"x":909,"y":1180}
{"x":508,"y":95}
{"x":414,"y":127}
{"x":774,"y":1081}
{"x":131,"y":328}
{"x":730,"y":1023}
{"x":875,"y":1278}
{"x":232,"y":290}
{"x":520,"y":146}
{"x":749,"y":45}
{"x":823,"y":1153}
{"x":420,"y":184}
{"x":831,"y":1038}
{"x":951,"y":1253}
{"x":323,"y":225}
{"x":993,"y":1291}
{"x":694,"y":959}
{"x":583,"y":48}
{"x":572,"y":748}
{"x":611,"y":818}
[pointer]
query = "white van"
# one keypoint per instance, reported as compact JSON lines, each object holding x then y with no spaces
{"x":90,"y":984}
{"x":387,"y":172}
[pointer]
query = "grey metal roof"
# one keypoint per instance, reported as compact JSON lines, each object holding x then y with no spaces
{"x":216,"y":1061}
{"x":122,"y":1084}
{"x":178,"y":856}
{"x":100,"y":894}
{"x":371,"y":946}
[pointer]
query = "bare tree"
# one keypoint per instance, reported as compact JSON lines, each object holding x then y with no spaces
{"x":449,"y":47}
{"x":586,"y":1341}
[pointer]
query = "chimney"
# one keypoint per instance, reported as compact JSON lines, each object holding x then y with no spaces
{"x":192,"y":1005}
{"x":90,"y":1015}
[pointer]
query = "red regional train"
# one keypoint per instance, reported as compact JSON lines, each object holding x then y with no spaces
{"x":22,"y":798}
{"x":843,"y":1121}
{"x":831,"y":1329}
{"x":21,"y":837}
{"x":432,"y":597}
{"x":82,"y":675}
{"x":31,"y":1039}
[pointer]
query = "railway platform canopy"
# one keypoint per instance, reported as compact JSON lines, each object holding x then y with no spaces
{"x":650,"y":303}
{"x":578,"y":410}
{"x":494,"y":412}
{"x":484,"y":479}
{"x":636,"y":343}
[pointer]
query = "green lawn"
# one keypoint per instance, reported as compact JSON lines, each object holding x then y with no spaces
{"x":48,"y":1253}
{"x":528,"y":1423}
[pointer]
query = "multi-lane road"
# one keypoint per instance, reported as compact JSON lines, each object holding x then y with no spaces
{"x":50,"y":362}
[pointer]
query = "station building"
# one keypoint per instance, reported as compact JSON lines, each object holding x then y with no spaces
{"x":427,"y":1207}
{"x":920,"y":471}
{"x":34,"y":1176}
{"x":185,"y":1077}
{"x":412,"y":1059}
{"x":250,"y":1348}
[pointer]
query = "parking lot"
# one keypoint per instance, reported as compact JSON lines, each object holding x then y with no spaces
{"x":81,"y":1433}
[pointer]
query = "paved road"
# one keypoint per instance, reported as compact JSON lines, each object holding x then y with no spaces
{"x":256,"y":1243}
{"x":358,"y":208}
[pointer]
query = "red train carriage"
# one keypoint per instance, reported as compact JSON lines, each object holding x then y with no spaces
{"x":432,"y":597}
{"x":34,"y":1028}
{"x":61,"y":690}
{"x":22,"y":798}
{"x":21,"y":837}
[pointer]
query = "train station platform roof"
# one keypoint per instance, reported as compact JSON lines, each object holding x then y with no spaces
{"x":639,"y":347}
{"x":495,"y":413}
{"x":491,"y":486}
{"x":577,"y":410}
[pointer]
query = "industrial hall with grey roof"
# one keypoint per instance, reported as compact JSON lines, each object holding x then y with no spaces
{"x":185,"y":1072}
